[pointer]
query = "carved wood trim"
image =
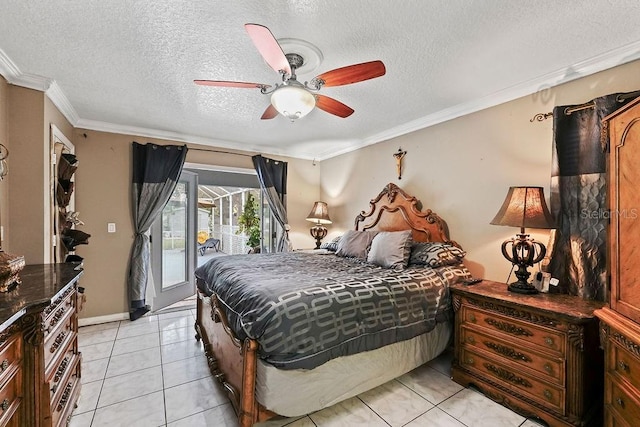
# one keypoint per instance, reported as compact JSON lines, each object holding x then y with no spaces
{"x":629,"y":345}
{"x":456,"y":302}
{"x":394,"y":210}
{"x":507,"y":375}
{"x":575,"y":336}
{"x":219,"y":316}
{"x":604,"y":335}
{"x":509,"y":328}
{"x":509,"y":352}
{"x":32,"y":325}
{"x":528,"y":316}
{"x":7,"y":333}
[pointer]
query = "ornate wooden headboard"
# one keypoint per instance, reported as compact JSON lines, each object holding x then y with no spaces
{"x":395,"y":210}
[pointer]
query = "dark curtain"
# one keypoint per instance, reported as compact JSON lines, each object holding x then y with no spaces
{"x":272,"y":175}
{"x":156,"y":169}
{"x":579,"y":198}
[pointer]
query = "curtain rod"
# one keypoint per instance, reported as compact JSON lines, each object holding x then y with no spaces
{"x":567,"y":111}
{"x":219,"y":151}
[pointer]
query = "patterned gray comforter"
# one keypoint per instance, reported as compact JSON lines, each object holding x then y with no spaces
{"x":305,"y":309}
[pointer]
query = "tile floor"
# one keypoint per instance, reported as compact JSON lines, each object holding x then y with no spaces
{"x":152,"y":372}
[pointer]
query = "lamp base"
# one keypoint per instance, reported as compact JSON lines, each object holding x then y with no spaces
{"x":318,"y":232}
{"x":522,"y":288}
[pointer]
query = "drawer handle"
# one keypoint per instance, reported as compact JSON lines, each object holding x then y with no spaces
{"x":620,"y":402}
{"x":470,"y":360}
{"x":507,"y":351}
{"x":56,"y":317}
{"x":5,"y":405}
{"x":65,"y":397}
{"x":61,"y":369}
{"x":508,"y":328}
{"x":549,"y":341}
{"x":547,"y":394}
{"x":471,"y":340}
{"x":5,"y":365}
{"x":548,"y":368}
{"x":58,"y":341}
{"x":472,"y":317}
{"x":623,"y":366}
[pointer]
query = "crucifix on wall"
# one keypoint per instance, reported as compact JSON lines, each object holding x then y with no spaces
{"x":399,"y":155}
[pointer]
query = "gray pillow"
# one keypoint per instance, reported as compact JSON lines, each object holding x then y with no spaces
{"x":355,"y":243}
{"x":435,"y":254}
{"x":390,"y":249}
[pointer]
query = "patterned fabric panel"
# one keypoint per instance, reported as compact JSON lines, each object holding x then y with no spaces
{"x":305,"y":309}
{"x":436,"y":254}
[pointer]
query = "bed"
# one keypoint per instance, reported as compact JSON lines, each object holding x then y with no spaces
{"x":288,"y":334}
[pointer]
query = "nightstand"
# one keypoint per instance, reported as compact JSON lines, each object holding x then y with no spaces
{"x":537,"y":354}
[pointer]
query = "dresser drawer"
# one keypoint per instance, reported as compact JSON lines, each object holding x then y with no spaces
{"x":59,"y":311}
{"x":10,"y":396}
{"x":624,"y":364}
{"x":66,"y":398}
{"x":548,"y":340}
{"x":551,"y":369}
{"x":622,"y":401}
{"x":61,"y":373}
{"x":10,"y":357}
{"x":56,"y":342}
{"x":550,"y":396}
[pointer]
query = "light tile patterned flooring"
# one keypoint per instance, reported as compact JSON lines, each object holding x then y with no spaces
{"x":152,"y":372}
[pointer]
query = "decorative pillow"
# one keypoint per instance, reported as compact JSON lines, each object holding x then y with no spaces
{"x":435,"y":254}
{"x":332,"y":245}
{"x":355,"y":243}
{"x":390,"y":249}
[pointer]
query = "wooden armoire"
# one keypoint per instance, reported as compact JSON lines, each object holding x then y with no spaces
{"x":620,"y":322}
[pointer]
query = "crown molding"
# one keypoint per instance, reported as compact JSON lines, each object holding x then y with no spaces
{"x":60,"y":100}
{"x":14,"y":76}
{"x":178,"y":137}
{"x":613,"y":58}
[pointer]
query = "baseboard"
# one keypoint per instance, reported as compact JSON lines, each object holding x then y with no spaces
{"x":86,"y":321}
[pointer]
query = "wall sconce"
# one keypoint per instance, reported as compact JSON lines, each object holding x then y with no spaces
{"x":320,"y":215}
{"x":4,"y":168}
{"x":524,"y":207}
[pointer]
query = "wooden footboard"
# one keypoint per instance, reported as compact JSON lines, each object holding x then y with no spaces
{"x":232,"y":362}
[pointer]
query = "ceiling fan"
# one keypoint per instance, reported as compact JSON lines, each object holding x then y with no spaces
{"x":291,"y":98}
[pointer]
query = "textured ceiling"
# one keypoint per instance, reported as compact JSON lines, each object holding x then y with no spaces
{"x":129,"y":66}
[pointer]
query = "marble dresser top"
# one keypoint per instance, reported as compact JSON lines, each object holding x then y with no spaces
{"x":40,"y":284}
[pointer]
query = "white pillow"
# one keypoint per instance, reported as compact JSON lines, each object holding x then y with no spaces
{"x":391,"y":249}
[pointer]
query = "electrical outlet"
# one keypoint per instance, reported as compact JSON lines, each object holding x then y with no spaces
{"x":111,"y":227}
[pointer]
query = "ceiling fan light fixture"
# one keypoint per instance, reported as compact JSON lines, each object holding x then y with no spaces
{"x":293,"y":101}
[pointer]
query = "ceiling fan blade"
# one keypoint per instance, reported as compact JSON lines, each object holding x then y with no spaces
{"x":224,"y":83}
{"x":268,"y":47}
{"x":269,"y":113}
{"x":333,"y":106}
{"x":352,"y":73}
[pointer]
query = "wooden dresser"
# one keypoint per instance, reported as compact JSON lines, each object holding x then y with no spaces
{"x":620,"y":322}
{"x":39,"y":357}
{"x":538,"y":354}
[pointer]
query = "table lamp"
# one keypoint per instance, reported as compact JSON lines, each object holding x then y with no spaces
{"x":320,"y":215}
{"x":524,"y":207}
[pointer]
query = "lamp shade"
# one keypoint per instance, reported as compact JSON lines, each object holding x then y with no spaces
{"x":524,"y":207}
{"x":319,"y":213}
{"x":293,"y":100}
